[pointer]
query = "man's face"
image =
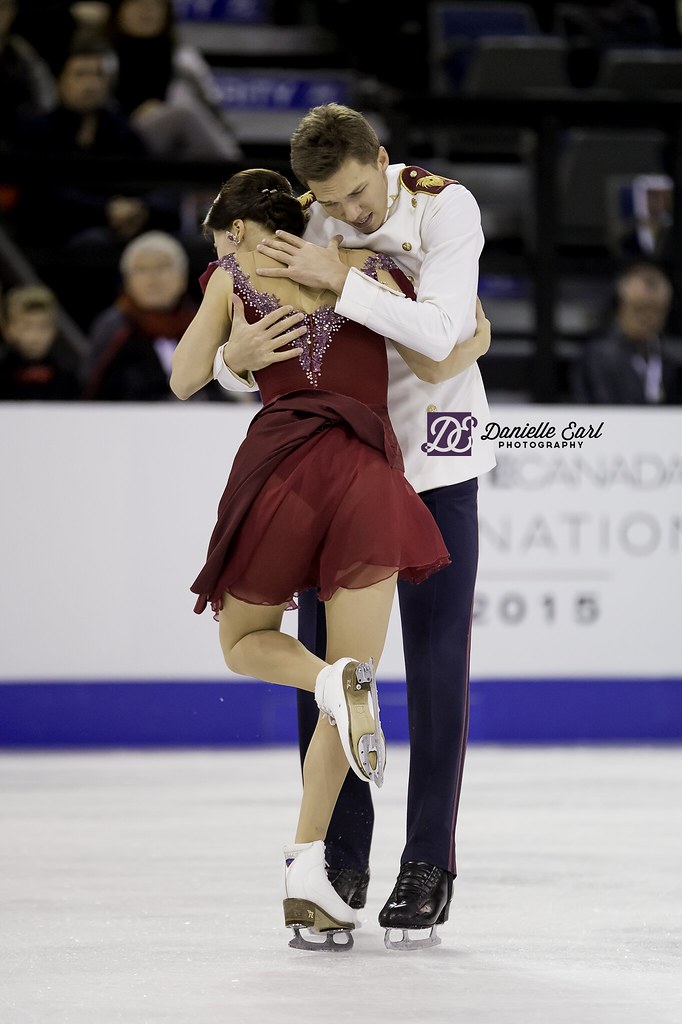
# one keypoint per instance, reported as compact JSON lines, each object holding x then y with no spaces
{"x":357,"y":194}
{"x":643,"y":311}
{"x":84,"y":84}
{"x":154,"y":281}
{"x":32,"y":333}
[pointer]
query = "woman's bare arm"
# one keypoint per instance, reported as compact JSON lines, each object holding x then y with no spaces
{"x":192,"y":366}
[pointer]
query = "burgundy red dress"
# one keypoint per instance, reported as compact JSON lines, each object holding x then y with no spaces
{"x":317,"y":496}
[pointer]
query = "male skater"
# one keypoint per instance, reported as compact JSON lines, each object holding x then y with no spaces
{"x":431,"y":227}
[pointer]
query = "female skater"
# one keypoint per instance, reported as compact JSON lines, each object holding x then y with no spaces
{"x":316,"y":498}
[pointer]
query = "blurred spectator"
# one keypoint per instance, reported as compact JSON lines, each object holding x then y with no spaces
{"x":84,"y":124}
{"x":167,"y":88}
{"x":133,"y":341}
{"x":634,"y":363}
{"x":30,"y":367}
{"x":49,"y":25}
{"x":27,"y":86}
{"x":72,"y":222}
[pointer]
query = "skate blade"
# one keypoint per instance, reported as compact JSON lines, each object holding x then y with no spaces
{"x":406,"y":943}
{"x":372,"y":756}
{"x":325,"y":943}
{"x":306,"y":914}
{"x":369,"y":749}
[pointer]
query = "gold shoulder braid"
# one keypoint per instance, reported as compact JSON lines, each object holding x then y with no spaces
{"x":307,"y":200}
{"x":416,"y":180}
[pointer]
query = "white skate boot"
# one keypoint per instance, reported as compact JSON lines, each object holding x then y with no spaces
{"x":347,"y":692}
{"x":310,"y":901}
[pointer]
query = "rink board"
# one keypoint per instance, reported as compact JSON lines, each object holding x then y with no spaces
{"x":107,"y":510}
{"x":106,"y":714}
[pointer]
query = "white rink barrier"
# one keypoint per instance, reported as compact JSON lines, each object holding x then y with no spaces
{"x":107,"y":511}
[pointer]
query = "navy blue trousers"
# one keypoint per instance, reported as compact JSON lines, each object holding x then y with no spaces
{"x":436,"y":626}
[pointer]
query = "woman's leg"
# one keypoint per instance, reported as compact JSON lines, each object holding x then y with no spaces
{"x":253,"y":645}
{"x":357,"y":623}
{"x":349,"y":836}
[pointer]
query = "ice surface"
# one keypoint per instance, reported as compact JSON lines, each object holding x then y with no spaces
{"x":145,"y":887}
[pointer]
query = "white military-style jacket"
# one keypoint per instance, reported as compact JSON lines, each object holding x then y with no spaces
{"x":433,"y":232}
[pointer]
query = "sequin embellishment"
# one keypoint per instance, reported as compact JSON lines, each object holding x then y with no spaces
{"x":320,"y":325}
{"x":378,"y":261}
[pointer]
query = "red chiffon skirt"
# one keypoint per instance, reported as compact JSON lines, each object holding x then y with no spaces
{"x":333,"y":514}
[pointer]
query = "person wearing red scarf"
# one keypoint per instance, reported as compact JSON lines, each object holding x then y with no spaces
{"x":133,"y":341}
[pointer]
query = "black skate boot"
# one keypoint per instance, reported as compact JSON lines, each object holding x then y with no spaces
{"x":351,"y":885}
{"x":420,"y":899}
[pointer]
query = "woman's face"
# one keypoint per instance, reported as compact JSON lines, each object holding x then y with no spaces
{"x":143,"y":18}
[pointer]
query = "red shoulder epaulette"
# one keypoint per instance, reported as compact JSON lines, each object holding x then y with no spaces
{"x":416,"y":179}
{"x":307,"y":199}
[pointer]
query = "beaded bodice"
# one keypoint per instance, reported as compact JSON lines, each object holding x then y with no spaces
{"x":318,"y":364}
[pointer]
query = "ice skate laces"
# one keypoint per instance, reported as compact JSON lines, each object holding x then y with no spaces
{"x":415,"y":882}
